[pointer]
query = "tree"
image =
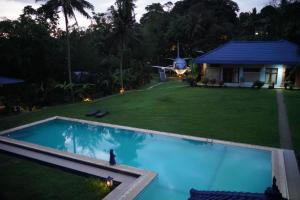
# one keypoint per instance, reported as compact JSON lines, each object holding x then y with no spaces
{"x":154,"y":25}
{"x":22,"y":40}
{"x":202,"y":24}
{"x":68,"y":7}
{"x":123,"y":20}
{"x":274,"y":22}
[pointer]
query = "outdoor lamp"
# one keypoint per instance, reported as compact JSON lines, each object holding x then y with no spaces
{"x":109,"y":181}
{"x":87,"y":99}
{"x":122,"y":90}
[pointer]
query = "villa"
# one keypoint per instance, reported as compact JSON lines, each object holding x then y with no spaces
{"x":240,"y":63}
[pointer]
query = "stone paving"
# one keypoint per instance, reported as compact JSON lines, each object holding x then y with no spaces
{"x":292,"y":172}
{"x":283,"y":123}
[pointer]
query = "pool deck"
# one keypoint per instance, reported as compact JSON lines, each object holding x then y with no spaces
{"x":292,"y":173}
{"x":137,"y":179}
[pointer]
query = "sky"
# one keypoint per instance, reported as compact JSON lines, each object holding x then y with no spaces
{"x":11,"y":9}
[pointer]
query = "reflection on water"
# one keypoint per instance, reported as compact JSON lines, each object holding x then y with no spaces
{"x":180,"y":163}
{"x":99,"y":140}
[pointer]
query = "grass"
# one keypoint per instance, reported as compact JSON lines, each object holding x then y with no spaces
{"x":241,"y":115}
{"x":292,"y":101}
{"x":23,"y":179}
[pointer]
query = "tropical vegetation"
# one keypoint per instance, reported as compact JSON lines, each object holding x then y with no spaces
{"x":68,"y":8}
{"x":116,"y":50}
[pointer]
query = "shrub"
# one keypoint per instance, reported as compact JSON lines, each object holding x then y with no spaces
{"x":192,"y":82}
{"x":288,"y":85}
{"x":205,"y":81}
{"x":258,"y":84}
{"x":221,"y":83}
{"x":213,"y":81}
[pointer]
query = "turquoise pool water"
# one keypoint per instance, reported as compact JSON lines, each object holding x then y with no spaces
{"x":180,"y":163}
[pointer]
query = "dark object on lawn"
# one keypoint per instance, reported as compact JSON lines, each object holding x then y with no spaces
{"x":112,"y":160}
{"x":101,"y":113}
{"x":258,"y":84}
{"x":92,"y":112}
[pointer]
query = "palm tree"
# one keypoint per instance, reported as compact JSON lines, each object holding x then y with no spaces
{"x":123,"y":21}
{"x":68,"y":7}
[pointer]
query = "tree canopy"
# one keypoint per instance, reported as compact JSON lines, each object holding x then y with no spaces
{"x":33,"y":46}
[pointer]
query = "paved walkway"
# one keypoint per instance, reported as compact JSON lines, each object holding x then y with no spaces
{"x":283,"y":122}
{"x":292,"y":172}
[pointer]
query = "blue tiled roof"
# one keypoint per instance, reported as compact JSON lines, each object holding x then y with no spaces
{"x":211,"y":195}
{"x":6,"y":80}
{"x":252,"y":52}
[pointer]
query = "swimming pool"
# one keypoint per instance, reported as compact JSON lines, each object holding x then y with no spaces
{"x":179,"y":162}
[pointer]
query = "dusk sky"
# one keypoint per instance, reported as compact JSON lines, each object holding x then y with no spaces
{"x":11,"y":9}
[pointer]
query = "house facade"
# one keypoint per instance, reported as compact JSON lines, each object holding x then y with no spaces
{"x":240,"y":63}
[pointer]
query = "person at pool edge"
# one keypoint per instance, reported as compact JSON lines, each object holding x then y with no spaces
{"x":112,"y":160}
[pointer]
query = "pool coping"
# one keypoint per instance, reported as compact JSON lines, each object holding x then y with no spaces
{"x":278,"y":165}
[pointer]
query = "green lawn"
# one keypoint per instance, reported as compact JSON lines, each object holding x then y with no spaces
{"x":292,"y":101}
{"x":242,"y":115}
{"x":23,"y":179}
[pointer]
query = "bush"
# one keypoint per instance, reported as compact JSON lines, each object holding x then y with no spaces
{"x":288,"y":85}
{"x":205,"y":81}
{"x":213,"y":81}
{"x":192,"y":82}
{"x":258,"y":84}
{"x":221,"y":83}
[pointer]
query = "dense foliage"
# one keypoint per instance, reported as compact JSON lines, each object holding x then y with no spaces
{"x":116,"y":50}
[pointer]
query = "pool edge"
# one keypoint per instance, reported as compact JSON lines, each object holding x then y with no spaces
{"x":277,"y":159}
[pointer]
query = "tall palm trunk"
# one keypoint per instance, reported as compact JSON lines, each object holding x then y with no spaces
{"x":69,"y":55}
{"x":121,"y":63}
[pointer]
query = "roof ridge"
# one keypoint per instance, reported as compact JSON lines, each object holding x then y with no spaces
{"x":213,"y":50}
